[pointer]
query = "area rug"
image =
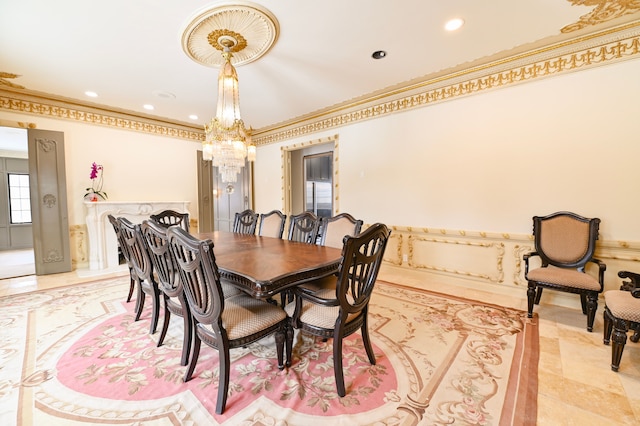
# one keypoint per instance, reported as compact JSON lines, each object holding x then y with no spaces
{"x":75,"y":355}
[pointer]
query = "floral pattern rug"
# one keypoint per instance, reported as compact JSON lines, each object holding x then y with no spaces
{"x":74,"y":355}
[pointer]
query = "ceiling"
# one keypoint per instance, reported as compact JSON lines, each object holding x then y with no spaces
{"x":130,"y":52}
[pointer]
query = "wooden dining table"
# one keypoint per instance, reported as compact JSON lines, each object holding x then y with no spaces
{"x":265,"y":266}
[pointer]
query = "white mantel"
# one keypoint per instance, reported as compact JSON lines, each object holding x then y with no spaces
{"x":103,"y":245}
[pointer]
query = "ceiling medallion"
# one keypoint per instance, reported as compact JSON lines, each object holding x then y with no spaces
{"x":253,"y":29}
{"x":218,"y":39}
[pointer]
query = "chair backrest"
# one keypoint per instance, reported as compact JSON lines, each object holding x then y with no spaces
{"x":157,"y":244}
{"x":121,"y":243}
{"x":303,"y":227}
{"x":171,"y":217}
{"x":272,"y":224}
{"x":565,"y":239}
{"x":245,"y":222}
{"x":199,"y":274}
{"x":361,"y":260}
{"x":133,"y":241}
{"x":333,"y":229}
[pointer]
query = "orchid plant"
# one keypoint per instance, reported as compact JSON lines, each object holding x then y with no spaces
{"x":95,"y":191}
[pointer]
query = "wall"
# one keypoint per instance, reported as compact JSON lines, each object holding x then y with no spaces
{"x":458,"y":180}
{"x":137,"y":167}
{"x":485,"y":164}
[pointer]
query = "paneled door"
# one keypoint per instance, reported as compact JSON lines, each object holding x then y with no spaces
{"x":47,"y":184}
{"x":219,"y":201}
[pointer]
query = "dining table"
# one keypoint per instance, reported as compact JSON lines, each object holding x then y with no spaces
{"x":266,"y":266}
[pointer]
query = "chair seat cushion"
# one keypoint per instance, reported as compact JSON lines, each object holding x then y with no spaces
{"x":244,"y":315}
{"x":326,"y":285}
{"x":564,"y":277}
{"x":318,"y":315}
{"x":623,"y":305}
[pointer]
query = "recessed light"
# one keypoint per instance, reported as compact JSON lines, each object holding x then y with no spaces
{"x":379,"y":54}
{"x":453,"y":24}
{"x":193,"y":117}
{"x":91,"y":94}
{"x":148,"y":107}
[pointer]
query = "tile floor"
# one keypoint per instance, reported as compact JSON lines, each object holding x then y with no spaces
{"x":576,"y":384}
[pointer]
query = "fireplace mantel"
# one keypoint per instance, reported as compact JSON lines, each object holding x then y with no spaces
{"x":103,"y":245}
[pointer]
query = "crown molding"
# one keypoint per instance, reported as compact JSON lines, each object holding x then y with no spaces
{"x":580,"y":53}
{"x":577,"y":54}
{"x":31,"y":102}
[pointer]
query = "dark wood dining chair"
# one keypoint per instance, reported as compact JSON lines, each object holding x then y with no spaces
{"x":333,"y":229}
{"x":303,"y":227}
{"x":331,"y":234}
{"x":272,"y":224}
{"x":169,"y":283}
{"x":143,"y":270}
{"x":342,"y":310}
{"x":245,"y":222}
{"x":565,"y":243}
{"x":125,"y":254}
{"x":223,"y":323}
{"x":171,"y":217}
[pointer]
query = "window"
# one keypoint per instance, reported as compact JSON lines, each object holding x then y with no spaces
{"x":19,"y":198}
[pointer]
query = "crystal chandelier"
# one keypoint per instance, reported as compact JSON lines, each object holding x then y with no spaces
{"x":228,"y":143}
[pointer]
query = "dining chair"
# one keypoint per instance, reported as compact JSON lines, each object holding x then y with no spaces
{"x":272,"y":224}
{"x":143,"y":270}
{"x":343,"y":310}
{"x":125,"y":254}
{"x":169,"y":283}
{"x":223,"y":323}
{"x":303,"y":227}
{"x":332,"y":231}
{"x":565,"y":243}
{"x":170,"y":218}
{"x":621,"y":314}
{"x":245,"y":222}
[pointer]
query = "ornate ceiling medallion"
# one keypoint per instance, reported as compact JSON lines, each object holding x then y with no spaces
{"x":252,"y":28}
{"x":604,"y":11}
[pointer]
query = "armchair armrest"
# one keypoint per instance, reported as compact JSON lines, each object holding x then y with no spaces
{"x":526,"y":257}
{"x":601,"y":268}
{"x":310,"y":296}
{"x":633,"y":284}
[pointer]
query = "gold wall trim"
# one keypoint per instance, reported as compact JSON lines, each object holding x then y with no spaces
{"x":497,"y":277}
{"x":620,"y":43}
{"x":581,"y":53}
{"x":23,"y":101}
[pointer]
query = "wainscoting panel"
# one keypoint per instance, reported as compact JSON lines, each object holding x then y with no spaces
{"x":486,"y":261}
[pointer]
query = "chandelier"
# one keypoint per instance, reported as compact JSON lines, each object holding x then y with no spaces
{"x":243,"y":31}
{"x":227,"y":141}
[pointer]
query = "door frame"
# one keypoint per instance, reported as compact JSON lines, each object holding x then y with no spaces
{"x":288,"y":181}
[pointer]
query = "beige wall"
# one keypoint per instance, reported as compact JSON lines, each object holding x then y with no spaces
{"x":464,"y":177}
{"x":137,"y":166}
{"x":490,"y":162}
{"x":459,"y":180}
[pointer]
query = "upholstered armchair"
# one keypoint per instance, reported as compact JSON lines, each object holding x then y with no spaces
{"x":565,"y":243}
{"x":621,"y":314}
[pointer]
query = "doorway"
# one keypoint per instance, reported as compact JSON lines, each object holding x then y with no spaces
{"x":16,"y":233}
{"x":318,"y":183}
{"x":219,"y":201}
{"x":309,"y":182}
